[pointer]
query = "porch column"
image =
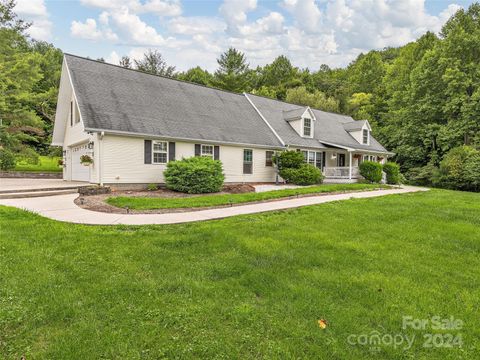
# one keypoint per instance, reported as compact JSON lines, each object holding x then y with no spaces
{"x":350,"y":165}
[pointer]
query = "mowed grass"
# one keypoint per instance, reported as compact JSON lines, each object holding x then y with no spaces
{"x":46,"y":163}
{"x":149,"y":203}
{"x":249,"y":287}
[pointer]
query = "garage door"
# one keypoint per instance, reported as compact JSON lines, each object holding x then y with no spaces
{"x":79,"y":171}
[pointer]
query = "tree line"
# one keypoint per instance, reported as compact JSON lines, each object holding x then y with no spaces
{"x":422,"y":99}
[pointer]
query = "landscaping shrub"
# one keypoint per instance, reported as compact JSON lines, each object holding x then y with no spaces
{"x":392,"y":170}
{"x":371,"y":171}
{"x":7,"y":160}
{"x":306,"y":174}
{"x":152,"y":187}
{"x":194,"y":175}
{"x":289,"y":159}
{"x":427,"y":175}
{"x":459,"y":169}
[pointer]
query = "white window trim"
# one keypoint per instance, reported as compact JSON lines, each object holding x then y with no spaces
{"x":212,"y":155}
{"x":159,"y":152}
{"x":243,"y":161}
{"x":368,"y":136}
{"x":311,"y":128}
{"x":314,"y":157}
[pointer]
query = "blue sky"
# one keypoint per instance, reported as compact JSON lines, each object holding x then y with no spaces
{"x":190,"y":33}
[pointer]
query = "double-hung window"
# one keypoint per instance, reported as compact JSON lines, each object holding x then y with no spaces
{"x":247,"y":161}
{"x":307,"y":127}
{"x":159,"y":151}
{"x":312,"y":158}
{"x":269,"y":158}
{"x":365,"y":136}
{"x":207,"y":150}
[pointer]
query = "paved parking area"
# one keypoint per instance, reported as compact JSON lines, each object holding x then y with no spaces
{"x":21,"y":184}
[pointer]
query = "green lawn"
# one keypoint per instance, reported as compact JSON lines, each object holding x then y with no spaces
{"x":249,"y":287}
{"x":148,"y":203}
{"x":46,"y":163}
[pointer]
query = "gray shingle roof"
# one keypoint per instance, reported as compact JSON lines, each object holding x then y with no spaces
{"x":294,"y":113}
{"x":117,"y":99}
{"x":355,"y":125}
{"x":329,"y":127}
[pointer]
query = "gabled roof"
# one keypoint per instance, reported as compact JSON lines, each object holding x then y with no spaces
{"x":117,"y":99}
{"x":328,"y":130}
{"x":114,"y":99}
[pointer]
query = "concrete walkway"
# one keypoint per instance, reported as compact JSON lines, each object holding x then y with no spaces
{"x":62,"y":208}
{"x":19,"y":184}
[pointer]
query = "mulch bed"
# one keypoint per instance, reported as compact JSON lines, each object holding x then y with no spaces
{"x":97,"y":202}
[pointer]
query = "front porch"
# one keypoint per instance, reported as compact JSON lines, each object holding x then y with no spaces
{"x":343,"y":166}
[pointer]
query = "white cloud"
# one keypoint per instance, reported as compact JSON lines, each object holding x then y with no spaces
{"x":113,"y":58}
{"x":194,"y":25}
{"x":306,"y":13}
{"x":156,"y":7}
{"x":35,"y":11}
{"x":235,"y":12}
{"x":89,"y":31}
{"x":135,"y":31}
{"x":309,"y":32}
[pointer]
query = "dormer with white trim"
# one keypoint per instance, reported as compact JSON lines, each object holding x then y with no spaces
{"x":302,"y":120}
{"x":360,"y":130}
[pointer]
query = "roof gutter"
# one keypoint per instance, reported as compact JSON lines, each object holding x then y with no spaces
{"x":354,"y":149}
{"x":202,"y":141}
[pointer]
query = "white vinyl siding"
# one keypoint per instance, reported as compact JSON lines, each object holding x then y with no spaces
{"x":123,"y":162}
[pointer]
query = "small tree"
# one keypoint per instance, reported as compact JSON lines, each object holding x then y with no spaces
{"x":153,"y":63}
{"x":371,"y":171}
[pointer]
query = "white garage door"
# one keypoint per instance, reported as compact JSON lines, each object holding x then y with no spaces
{"x":79,"y":172}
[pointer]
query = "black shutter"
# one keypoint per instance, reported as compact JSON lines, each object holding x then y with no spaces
{"x":171,"y":151}
{"x":148,"y":152}
{"x":323,"y":160}
{"x":197,"y":149}
{"x":216,"y":152}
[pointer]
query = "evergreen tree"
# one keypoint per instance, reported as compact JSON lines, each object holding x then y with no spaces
{"x":153,"y":63}
{"x":233,"y":71}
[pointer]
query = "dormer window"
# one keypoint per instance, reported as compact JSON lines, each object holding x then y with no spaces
{"x":365,"y":136}
{"x":307,"y":127}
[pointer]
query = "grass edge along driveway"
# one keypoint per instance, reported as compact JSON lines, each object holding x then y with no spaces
{"x":247,"y":287}
{"x":151,"y":203}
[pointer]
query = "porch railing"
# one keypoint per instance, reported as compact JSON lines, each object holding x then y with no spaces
{"x":341,"y":172}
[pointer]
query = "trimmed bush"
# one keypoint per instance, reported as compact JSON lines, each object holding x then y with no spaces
{"x":195,"y":175}
{"x":392,"y":170}
{"x":306,"y":174}
{"x":7,"y":160}
{"x":289,"y":159}
{"x":371,"y":171}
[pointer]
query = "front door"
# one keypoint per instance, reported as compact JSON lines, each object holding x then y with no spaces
{"x":341,"y":160}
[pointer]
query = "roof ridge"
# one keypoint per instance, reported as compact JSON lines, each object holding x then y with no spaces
{"x":156,"y":75}
{"x":284,"y":102}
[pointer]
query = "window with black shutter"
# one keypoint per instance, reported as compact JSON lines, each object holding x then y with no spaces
{"x":247,"y":161}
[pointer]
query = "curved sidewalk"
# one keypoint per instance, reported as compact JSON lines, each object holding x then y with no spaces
{"x":62,"y":208}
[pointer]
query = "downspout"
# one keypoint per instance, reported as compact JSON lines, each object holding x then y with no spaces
{"x":100,"y":138}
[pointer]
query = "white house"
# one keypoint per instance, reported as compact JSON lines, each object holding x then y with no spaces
{"x":132,"y":123}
